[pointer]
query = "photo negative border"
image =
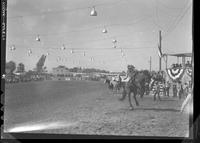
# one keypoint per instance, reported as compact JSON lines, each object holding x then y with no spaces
{"x":194,"y":119}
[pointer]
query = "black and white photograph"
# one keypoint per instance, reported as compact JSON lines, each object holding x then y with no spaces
{"x":99,"y":67}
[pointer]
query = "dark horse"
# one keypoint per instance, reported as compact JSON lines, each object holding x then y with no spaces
{"x":135,"y":86}
{"x":146,"y":79}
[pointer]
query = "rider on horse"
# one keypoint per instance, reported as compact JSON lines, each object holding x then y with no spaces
{"x":119,"y":79}
{"x":131,"y":72}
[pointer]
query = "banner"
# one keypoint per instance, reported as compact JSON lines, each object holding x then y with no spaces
{"x":175,"y":73}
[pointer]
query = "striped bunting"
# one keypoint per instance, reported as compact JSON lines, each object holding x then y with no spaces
{"x":189,"y":71}
{"x":175,"y":73}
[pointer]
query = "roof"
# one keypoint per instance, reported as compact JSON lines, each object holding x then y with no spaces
{"x":181,"y":55}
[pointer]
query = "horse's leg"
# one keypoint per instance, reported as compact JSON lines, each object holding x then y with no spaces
{"x":137,"y":103}
{"x":129,"y":97}
{"x":179,"y":94}
{"x":114,"y":89}
{"x":146,"y":91}
{"x":123,"y":94}
{"x":159,"y":95}
{"x":117,"y":89}
{"x":142,"y":92}
{"x":154,"y":96}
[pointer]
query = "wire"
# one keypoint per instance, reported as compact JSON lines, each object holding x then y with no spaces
{"x":89,"y":29}
{"x":166,"y":13}
{"x":145,"y":47}
{"x":177,"y":21}
{"x":94,"y":40}
{"x":155,"y":18}
{"x":62,"y":11}
{"x":172,"y":8}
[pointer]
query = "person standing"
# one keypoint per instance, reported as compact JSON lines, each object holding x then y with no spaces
{"x":119,"y":81}
{"x":174,"y":90}
{"x":161,"y":88}
{"x":167,"y":87}
{"x":185,"y":89}
{"x":156,"y":90}
{"x":179,"y":89}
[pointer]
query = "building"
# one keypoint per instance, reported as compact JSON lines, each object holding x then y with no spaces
{"x":61,"y":71}
{"x":183,"y":56}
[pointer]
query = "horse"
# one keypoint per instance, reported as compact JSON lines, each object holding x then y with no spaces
{"x":110,"y":86}
{"x":147,"y":80}
{"x":135,"y":86}
{"x":113,"y":84}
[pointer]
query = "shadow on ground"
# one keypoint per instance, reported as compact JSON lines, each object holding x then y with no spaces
{"x":159,"y":109}
{"x":154,"y":109}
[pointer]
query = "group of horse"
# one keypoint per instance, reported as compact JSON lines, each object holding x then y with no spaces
{"x":142,"y":84}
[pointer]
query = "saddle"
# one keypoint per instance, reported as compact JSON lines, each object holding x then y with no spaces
{"x":134,"y":82}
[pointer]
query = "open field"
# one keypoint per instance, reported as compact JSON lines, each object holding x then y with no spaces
{"x":88,"y":107}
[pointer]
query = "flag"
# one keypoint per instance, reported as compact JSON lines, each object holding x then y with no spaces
{"x":164,"y":57}
{"x":159,"y":52}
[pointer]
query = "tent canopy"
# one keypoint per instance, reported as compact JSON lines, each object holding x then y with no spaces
{"x":181,"y":55}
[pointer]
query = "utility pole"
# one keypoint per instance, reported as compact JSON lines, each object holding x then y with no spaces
{"x":166,"y":61}
{"x":150,"y":64}
{"x":160,"y":58}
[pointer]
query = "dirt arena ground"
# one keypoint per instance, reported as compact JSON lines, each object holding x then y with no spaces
{"x":88,"y":107}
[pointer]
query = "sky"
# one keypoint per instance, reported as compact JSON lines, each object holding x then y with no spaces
{"x":134,"y":24}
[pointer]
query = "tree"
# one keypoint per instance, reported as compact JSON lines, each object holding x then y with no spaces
{"x":20,"y":68}
{"x":10,"y":67}
{"x":40,"y":64}
{"x":75,"y":69}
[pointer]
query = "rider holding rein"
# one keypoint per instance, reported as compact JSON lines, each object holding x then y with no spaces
{"x":131,"y":72}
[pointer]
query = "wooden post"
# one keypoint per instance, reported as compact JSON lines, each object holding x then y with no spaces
{"x":150,"y":64}
{"x":166,"y":61}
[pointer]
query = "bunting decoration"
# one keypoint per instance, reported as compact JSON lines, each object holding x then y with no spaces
{"x":175,"y":73}
{"x":189,"y":71}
